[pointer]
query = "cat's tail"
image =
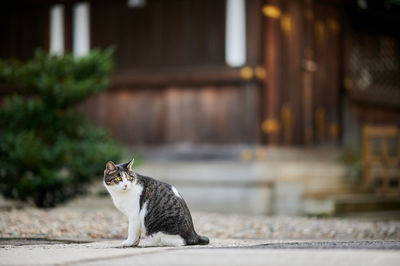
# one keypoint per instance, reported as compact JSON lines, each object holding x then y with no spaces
{"x":198,"y":240}
{"x":203,"y":240}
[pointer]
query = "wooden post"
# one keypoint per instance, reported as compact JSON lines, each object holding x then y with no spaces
{"x":309,"y":67}
{"x":272,"y":58}
{"x":334,"y":34}
{"x":291,"y":92}
{"x":254,"y":20}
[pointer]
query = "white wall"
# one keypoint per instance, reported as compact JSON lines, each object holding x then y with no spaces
{"x":235,"y":42}
{"x":81,"y":29}
{"x":57,"y":29}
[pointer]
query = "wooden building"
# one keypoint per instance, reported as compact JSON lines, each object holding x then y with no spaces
{"x":281,"y":72}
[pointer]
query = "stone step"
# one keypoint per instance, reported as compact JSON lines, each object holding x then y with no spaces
{"x":216,"y":186}
{"x":350,"y":204}
{"x":256,"y":187}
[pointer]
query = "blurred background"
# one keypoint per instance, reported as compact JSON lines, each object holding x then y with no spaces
{"x":265,"y":107}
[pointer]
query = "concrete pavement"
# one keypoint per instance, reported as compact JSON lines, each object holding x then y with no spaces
{"x":260,"y":257}
{"x":220,"y":252}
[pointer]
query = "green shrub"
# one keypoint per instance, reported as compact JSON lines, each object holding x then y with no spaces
{"x":48,"y":150}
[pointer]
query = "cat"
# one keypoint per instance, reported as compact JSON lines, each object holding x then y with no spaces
{"x":155,"y":209}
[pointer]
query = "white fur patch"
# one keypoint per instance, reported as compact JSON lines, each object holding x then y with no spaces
{"x":127,"y":201}
{"x":161,"y":239}
{"x":126,"y":196}
{"x":142,"y":214}
{"x":176,"y":192}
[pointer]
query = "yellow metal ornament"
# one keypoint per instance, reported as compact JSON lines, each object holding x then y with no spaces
{"x":271,"y":11}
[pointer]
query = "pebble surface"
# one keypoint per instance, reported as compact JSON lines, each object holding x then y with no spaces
{"x":108,"y":223}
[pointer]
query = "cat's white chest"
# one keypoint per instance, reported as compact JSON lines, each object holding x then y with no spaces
{"x":128,"y":202}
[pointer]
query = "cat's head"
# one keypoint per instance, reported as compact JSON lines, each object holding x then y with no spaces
{"x":119,"y":178}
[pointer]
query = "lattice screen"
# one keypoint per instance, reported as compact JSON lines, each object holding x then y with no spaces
{"x":374,"y":67}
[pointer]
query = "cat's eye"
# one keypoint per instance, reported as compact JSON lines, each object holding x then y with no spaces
{"x":119,"y":178}
{"x":129,"y":178}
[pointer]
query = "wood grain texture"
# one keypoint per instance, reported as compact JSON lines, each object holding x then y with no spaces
{"x":210,"y":114}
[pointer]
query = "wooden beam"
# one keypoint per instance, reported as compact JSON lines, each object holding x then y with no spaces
{"x":272,"y":59}
{"x":309,"y":66}
{"x":173,"y":77}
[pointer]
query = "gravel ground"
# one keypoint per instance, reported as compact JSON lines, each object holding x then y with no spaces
{"x":75,"y":222}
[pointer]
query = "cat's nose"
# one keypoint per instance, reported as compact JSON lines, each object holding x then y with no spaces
{"x":125,"y":186}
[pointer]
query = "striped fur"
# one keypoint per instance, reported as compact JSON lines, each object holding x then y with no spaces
{"x":154,"y":208}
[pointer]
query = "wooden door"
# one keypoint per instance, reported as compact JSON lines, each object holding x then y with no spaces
{"x":302,"y":61}
{"x":381,"y":159}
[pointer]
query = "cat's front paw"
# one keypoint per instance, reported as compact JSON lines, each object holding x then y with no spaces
{"x":130,"y":243}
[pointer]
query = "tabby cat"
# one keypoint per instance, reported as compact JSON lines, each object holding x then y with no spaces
{"x":155,"y":209}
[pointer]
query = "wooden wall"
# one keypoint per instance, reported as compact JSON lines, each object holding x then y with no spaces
{"x":171,"y":82}
{"x":23,"y":28}
{"x":207,"y":114}
{"x":172,"y":33}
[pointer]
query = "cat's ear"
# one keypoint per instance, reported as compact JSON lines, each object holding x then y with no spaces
{"x":110,"y":166}
{"x":130,"y":164}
